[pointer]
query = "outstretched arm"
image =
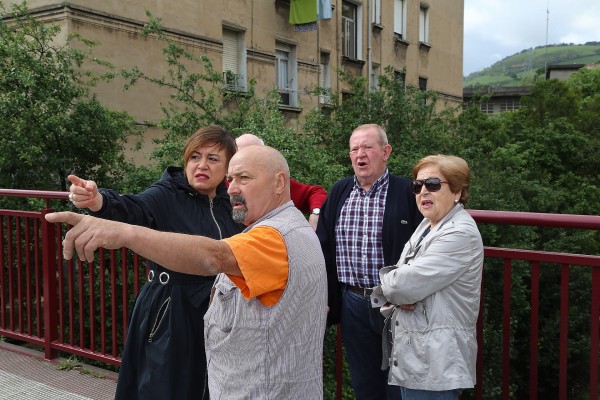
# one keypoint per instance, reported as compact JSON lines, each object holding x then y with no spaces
{"x":189,"y":254}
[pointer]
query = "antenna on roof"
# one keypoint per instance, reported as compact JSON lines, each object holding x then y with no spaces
{"x":546,"y":53}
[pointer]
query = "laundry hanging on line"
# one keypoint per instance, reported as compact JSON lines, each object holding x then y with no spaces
{"x":304,"y":14}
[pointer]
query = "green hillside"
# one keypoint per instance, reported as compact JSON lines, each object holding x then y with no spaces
{"x":520,"y":69}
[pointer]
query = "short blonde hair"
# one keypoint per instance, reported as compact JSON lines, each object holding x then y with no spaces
{"x":383,"y":139}
{"x":455,"y":170}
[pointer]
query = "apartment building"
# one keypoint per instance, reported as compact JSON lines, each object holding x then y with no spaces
{"x":255,"y":39}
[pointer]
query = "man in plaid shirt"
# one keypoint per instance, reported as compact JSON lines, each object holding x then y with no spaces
{"x":364,"y":224}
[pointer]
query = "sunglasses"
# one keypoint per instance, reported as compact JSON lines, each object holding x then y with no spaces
{"x":432,"y":184}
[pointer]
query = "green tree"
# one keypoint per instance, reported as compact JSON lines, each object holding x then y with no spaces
{"x":51,"y":125}
{"x":199,"y":96}
{"x":407,"y":114}
{"x":538,"y":159}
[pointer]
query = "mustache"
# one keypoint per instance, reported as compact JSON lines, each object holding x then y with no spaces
{"x":238,"y":198}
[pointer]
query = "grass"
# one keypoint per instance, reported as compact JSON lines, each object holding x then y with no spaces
{"x":73,"y":363}
{"x":525,"y":67}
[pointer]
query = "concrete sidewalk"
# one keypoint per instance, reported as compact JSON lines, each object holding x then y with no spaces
{"x":26,"y":375}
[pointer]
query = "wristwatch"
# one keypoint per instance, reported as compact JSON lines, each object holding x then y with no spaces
{"x":316,"y":211}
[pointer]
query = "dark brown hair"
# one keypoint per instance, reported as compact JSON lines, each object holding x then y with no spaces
{"x":210,"y":135}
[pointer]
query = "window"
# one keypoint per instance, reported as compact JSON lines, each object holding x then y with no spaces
{"x":376,"y":15}
{"x":423,"y":88}
{"x":400,"y":19}
{"x":375,"y":77}
{"x":424,"y":25}
{"x":286,"y":73}
{"x":400,"y":76}
{"x":347,"y":96}
{"x":487,"y":108}
{"x":324,"y":77}
{"x":349,"y":30}
{"x":509,"y":105}
{"x":234,"y":59}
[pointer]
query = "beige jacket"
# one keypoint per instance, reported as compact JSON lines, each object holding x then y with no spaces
{"x":435,"y":345}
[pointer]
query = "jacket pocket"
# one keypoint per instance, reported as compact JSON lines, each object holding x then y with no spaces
{"x":160,"y":318}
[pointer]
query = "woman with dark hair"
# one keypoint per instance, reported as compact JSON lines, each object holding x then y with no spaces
{"x":431,"y":296}
{"x":164,"y":355}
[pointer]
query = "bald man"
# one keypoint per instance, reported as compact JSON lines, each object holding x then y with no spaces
{"x":307,"y":198}
{"x":264,"y":328}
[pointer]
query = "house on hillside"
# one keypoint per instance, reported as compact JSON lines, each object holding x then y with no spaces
{"x":496,"y":99}
{"x":562,"y":71}
{"x":500,"y":99}
{"x":254,"y":39}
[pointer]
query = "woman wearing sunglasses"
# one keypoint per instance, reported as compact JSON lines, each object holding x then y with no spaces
{"x":431,"y":296}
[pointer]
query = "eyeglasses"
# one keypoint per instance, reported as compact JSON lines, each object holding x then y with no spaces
{"x":432,"y":184}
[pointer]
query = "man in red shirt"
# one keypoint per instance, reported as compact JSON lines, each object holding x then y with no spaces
{"x":307,"y":198}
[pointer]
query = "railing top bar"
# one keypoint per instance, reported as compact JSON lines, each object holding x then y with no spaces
{"x":481,"y":216}
{"x":39,"y":194}
{"x":543,"y":256}
{"x":536,"y":219}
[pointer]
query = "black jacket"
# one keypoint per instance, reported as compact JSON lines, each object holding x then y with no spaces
{"x":164,"y":354}
{"x":166,"y":206}
{"x":400,"y":219}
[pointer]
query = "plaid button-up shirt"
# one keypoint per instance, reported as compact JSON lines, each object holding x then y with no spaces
{"x":359,"y":250}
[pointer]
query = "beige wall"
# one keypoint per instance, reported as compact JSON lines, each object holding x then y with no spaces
{"x":116,"y":24}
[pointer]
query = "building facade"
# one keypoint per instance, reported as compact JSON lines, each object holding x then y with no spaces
{"x":423,"y":40}
{"x":492,"y":100}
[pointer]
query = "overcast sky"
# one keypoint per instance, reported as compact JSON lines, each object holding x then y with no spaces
{"x":495,"y":29}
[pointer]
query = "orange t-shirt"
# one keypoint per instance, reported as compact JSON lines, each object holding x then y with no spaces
{"x":262,"y":257}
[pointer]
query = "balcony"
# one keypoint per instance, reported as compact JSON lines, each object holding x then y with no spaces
{"x":82,"y":308}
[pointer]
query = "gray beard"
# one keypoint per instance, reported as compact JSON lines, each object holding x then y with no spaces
{"x":239,"y":216}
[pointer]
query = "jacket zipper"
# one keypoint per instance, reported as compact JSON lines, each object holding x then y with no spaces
{"x":214,"y":219}
{"x":425,"y":313}
{"x":162,"y":312}
{"x":426,"y":320}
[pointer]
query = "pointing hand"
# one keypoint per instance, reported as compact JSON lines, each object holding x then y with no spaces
{"x":88,"y":234}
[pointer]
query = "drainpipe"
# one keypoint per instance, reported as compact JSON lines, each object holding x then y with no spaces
{"x":369,"y":39}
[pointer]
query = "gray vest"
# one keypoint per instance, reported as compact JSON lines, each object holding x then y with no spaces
{"x":257,"y":352}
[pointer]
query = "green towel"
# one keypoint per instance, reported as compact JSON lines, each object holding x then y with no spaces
{"x":303,"y":11}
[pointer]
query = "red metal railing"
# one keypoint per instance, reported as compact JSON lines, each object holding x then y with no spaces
{"x":534,"y":259}
{"x":82,"y":309}
{"x":62,"y":306}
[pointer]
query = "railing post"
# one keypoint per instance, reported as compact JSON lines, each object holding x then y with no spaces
{"x":506,"y":331}
{"x":564,"y":332}
{"x":339,"y":364}
{"x":49,"y":275}
{"x":534,"y":329}
{"x":479,"y":364}
{"x":595,"y":316}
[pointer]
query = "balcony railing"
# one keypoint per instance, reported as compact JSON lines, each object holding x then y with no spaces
{"x":82,"y":308}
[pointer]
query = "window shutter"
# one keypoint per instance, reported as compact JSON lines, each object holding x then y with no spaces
{"x":322,"y":75}
{"x":399,"y":17}
{"x":230,"y":52}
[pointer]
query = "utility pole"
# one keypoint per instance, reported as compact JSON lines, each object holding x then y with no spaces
{"x":546,"y":54}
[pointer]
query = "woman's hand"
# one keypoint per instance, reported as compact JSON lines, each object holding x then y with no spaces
{"x":84,"y":194}
{"x":389,"y":306}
